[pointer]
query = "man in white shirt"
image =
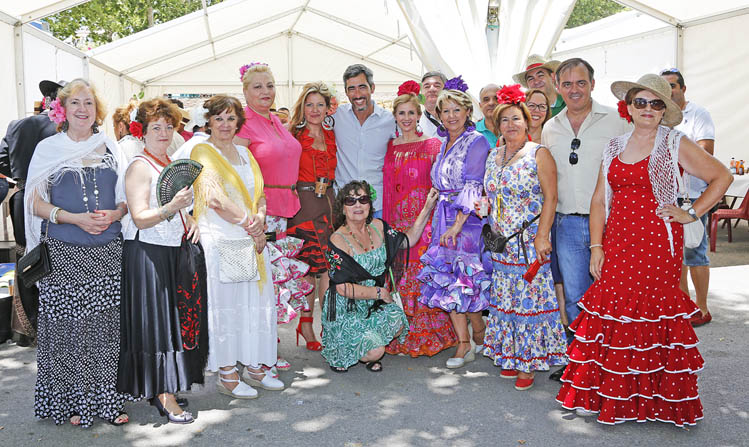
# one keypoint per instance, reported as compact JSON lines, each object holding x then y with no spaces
{"x":576,"y":138}
{"x":698,"y":126}
{"x":432,"y":83}
{"x":362,"y":131}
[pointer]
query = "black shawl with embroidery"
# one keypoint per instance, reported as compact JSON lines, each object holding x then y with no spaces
{"x":345,"y":269}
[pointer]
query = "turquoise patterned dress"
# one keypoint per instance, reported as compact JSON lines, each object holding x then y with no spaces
{"x":524,"y":331}
{"x":351,"y":335}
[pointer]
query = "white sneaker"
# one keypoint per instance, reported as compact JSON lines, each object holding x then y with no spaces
{"x":268,"y":382}
{"x":241,"y":391}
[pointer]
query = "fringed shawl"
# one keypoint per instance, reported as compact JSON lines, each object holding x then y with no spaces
{"x":660,"y":168}
{"x":58,"y":155}
{"x":345,"y":269}
{"x":218,"y":176}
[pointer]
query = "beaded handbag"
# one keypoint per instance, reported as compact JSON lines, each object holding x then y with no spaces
{"x":237,"y":260}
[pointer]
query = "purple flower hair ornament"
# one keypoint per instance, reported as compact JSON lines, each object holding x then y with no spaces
{"x":456,"y":83}
{"x":243,"y":69}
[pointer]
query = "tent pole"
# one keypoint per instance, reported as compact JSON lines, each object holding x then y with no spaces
{"x":680,"y":47}
{"x":19,"y":69}
{"x":290,"y":68}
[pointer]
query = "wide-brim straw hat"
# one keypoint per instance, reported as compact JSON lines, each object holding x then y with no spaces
{"x":657,"y":86}
{"x":533,"y":62}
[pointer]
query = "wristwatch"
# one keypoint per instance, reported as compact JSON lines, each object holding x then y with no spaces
{"x":692,"y":213}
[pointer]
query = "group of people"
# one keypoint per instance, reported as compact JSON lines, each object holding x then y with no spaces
{"x":405,"y":225}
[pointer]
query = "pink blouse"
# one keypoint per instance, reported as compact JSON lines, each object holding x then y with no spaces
{"x":277,"y":152}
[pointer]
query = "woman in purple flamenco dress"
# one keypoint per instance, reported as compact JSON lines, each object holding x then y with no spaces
{"x":453,"y":276}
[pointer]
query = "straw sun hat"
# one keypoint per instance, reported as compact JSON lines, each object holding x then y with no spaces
{"x":533,"y":62}
{"x":657,"y":86}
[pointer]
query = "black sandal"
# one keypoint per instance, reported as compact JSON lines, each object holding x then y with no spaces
{"x":375,"y":366}
{"x":114,"y":419}
{"x":338,"y":369}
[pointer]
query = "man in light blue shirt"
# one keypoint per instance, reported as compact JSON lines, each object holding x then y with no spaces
{"x":362,"y":131}
{"x":487,"y":103}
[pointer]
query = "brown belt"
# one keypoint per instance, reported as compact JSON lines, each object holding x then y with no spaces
{"x":291,"y":187}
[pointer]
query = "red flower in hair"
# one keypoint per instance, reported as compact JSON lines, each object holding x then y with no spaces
{"x":409,"y":87}
{"x":623,"y":112}
{"x":510,"y":94}
{"x":136,"y":129}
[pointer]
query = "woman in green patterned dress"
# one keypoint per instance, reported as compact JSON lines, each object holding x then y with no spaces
{"x":360,"y":314}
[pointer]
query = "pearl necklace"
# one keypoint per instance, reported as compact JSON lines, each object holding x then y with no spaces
{"x":96,"y":191}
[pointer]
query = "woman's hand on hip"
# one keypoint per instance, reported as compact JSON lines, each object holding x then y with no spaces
{"x":596,"y":262}
{"x":672,"y":213}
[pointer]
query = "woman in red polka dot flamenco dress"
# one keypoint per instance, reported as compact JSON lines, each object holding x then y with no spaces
{"x":635,"y":354}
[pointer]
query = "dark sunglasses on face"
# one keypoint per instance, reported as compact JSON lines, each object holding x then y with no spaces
{"x":655,"y":104}
{"x":574,"y":145}
{"x":351,"y":200}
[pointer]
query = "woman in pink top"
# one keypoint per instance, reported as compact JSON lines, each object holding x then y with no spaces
{"x":278,"y":153}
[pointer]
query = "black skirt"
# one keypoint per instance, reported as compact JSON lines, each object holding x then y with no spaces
{"x":153,"y":359}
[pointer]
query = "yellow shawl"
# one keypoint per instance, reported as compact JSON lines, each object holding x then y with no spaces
{"x":220,"y":176}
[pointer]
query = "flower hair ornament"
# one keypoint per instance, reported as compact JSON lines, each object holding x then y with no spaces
{"x":510,"y":94}
{"x":133,"y":114}
{"x":456,"y":83}
{"x":56,"y":112}
{"x":372,"y":193}
{"x":136,"y":129}
{"x":243,"y":69}
{"x":623,"y":111}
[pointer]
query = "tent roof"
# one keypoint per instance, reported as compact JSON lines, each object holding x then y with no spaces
{"x":371,"y":34}
{"x":688,"y":12}
{"x":29,"y":10}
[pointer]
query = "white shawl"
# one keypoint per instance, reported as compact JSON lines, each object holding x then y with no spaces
{"x":661,"y":170}
{"x":53,"y":157}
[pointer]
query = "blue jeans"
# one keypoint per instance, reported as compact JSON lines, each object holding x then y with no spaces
{"x":555,"y":273}
{"x":573,"y":253}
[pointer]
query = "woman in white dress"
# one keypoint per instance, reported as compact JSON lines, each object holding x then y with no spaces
{"x":230,"y":205}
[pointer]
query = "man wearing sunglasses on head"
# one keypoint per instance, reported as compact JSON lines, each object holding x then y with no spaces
{"x":576,"y":138}
{"x":698,"y":126}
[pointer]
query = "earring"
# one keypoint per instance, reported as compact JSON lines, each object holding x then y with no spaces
{"x":397,"y":134}
{"x":441,"y":131}
{"x":65,"y":126}
{"x":302,"y":123}
{"x":328,"y":123}
{"x":419,"y":132}
{"x":95,"y":127}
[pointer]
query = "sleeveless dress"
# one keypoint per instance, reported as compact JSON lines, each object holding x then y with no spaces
{"x":406,"y":185}
{"x":351,"y":335}
{"x":635,"y":355}
{"x":524,"y":331}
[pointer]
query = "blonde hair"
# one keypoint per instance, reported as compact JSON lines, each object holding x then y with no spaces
{"x":122,"y":114}
{"x":72,"y":88}
{"x":407,"y":98}
{"x":460,"y":98}
{"x":255,"y":69}
{"x":298,"y":110}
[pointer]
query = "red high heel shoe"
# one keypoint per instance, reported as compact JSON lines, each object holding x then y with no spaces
{"x":311,"y":345}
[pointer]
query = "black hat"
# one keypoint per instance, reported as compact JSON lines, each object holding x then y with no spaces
{"x":49,"y":88}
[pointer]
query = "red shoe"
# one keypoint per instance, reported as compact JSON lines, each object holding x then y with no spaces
{"x":701,"y":319}
{"x":523,"y":384}
{"x":508,"y":374}
{"x":311,"y":345}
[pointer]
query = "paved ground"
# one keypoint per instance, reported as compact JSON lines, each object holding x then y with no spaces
{"x":415,"y":401}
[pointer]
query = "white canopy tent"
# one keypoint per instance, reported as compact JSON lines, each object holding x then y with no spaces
{"x":307,"y":40}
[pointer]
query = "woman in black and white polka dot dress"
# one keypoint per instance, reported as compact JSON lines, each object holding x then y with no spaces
{"x":72,"y":195}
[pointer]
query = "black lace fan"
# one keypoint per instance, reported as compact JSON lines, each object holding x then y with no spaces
{"x":175,"y":176}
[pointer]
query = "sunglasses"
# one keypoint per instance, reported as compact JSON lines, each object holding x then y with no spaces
{"x":351,"y":200}
{"x":669,"y":71}
{"x":655,"y":104}
{"x":575,"y":145}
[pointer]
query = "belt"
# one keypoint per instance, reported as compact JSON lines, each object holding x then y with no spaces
{"x":579,"y":214}
{"x":305,"y":188}
{"x":291,"y":187}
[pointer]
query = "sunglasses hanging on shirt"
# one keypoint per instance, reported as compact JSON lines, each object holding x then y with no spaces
{"x":574,"y":145}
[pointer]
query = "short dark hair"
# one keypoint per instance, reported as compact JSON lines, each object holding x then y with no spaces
{"x":179,"y":103}
{"x":574,"y":62}
{"x":675,"y":72}
{"x":217,"y":104}
{"x":434,"y":74}
{"x":355,"y":70}
{"x":353,"y":186}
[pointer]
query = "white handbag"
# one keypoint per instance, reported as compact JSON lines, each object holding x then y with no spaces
{"x":693,"y":231}
{"x":237,"y":260}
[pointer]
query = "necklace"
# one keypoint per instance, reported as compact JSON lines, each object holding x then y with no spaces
{"x":96,"y":191}
{"x":161,"y":163}
{"x":369,"y":233}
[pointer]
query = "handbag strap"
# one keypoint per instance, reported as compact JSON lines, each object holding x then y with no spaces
{"x":674,"y":157}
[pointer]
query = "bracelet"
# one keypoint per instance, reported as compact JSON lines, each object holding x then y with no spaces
{"x":378,"y":292}
{"x":53,"y":214}
{"x":596,"y":245}
{"x":163,"y":213}
{"x":244,"y":219}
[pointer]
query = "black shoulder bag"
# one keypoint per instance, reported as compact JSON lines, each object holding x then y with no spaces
{"x":35,"y":264}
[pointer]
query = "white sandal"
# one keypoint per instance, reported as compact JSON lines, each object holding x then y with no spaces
{"x":241,"y":391}
{"x":268,"y":382}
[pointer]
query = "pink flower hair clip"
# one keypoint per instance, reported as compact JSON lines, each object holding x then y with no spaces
{"x":56,"y":112}
{"x":243,"y":69}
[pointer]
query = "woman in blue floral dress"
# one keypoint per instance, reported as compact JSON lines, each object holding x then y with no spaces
{"x":524,"y":331}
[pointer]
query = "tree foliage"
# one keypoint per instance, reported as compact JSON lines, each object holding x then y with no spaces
{"x":587,"y":11}
{"x":108,"y":20}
